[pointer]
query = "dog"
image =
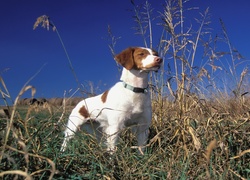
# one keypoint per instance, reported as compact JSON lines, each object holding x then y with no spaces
{"x":126,"y":104}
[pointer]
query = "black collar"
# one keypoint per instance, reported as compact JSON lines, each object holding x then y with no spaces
{"x":135,"y":89}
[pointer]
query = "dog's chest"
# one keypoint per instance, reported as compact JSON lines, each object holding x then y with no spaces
{"x":136,"y":104}
{"x":136,"y":107}
{"x":139,"y":103}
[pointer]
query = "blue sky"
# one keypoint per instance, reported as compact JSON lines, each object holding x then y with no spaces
{"x":82,"y":25}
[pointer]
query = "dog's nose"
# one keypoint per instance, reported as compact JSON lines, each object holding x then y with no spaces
{"x":158,"y":60}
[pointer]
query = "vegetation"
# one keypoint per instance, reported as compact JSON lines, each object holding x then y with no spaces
{"x":200,"y":126}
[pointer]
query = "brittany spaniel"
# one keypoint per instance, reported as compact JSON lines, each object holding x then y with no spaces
{"x":127,"y":103}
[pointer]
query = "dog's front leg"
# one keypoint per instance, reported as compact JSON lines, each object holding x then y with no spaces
{"x":112,"y":133}
{"x":141,"y":133}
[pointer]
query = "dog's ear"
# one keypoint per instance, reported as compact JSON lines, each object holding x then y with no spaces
{"x":126,"y":58}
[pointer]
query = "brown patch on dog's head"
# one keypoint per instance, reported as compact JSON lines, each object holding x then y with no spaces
{"x":125,"y":58}
{"x":104,"y":96}
{"x":131,"y":58}
{"x":84,"y":112}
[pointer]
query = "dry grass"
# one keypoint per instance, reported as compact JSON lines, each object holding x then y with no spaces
{"x":199,"y":130}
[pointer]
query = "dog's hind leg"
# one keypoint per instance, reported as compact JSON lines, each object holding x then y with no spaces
{"x":74,"y":123}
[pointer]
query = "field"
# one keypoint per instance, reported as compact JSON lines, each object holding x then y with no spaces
{"x":200,"y":125}
{"x":200,"y":145}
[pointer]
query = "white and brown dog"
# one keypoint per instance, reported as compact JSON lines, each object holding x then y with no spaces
{"x":127,"y":103}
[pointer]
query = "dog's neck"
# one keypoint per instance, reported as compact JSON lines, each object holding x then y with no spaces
{"x":135,"y":78}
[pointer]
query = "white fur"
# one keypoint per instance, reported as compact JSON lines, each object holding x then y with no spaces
{"x":122,"y":107}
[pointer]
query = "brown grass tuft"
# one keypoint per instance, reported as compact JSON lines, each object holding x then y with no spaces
{"x":45,"y":23}
{"x":209,"y":150}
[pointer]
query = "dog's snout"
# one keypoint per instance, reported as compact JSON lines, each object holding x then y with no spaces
{"x":158,"y":60}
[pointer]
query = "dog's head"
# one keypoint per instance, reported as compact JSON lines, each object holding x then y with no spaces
{"x":139,"y":58}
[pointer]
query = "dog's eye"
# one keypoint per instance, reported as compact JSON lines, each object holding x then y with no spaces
{"x":141,"y":54}
{"x":155,"y":54}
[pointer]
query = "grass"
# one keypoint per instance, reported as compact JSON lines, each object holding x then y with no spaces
{"x":200,"y":125}
{"x":33,"y":148}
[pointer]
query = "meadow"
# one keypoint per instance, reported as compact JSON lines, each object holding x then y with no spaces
{"x":200,"y":125}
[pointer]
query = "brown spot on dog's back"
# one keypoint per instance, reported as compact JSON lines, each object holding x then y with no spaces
{"x":104,"y":96}
{"x":84,"y":112}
